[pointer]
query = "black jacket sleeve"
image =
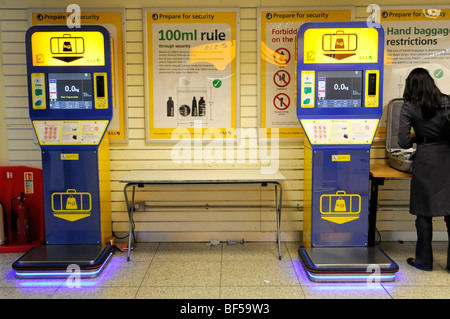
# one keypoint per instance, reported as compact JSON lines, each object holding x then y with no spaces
{"x":404,"y":127}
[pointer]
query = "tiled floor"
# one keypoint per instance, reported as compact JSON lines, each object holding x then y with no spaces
{"x":241,"y":271}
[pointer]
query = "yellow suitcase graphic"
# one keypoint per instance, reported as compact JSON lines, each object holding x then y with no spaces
{"x":67,"y":45}
{"x":339,"y":41}
{"x":71,"y":205}
{"x":340,"y":207}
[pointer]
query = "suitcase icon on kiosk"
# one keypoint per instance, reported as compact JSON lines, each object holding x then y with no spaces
{"x":339,"y":45}
{"x":340,"y":207}
{"x":71,"y":205}
{"x":339,"y":41}
{"x":67,"y":45}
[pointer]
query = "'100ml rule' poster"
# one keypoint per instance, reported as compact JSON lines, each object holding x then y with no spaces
{"x":191,"y":73}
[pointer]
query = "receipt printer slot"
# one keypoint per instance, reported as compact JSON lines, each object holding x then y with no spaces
{"x":372,"y":84}
{"x":100,"y":90}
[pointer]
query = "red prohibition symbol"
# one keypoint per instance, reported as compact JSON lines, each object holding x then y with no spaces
{"x":282,"y":56}
{"x":281,"y":78}
{"x":281,"y":101}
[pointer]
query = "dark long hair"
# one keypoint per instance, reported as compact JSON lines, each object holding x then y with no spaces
{"x":420,"y":90}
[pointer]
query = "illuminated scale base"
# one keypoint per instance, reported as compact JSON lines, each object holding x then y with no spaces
{"x":54,"y":261}
{"x":347,"y":264}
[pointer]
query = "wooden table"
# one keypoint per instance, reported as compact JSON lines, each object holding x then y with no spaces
{"x":378,"y":174}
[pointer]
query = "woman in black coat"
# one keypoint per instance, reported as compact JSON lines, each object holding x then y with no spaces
{"x":424,"y":110}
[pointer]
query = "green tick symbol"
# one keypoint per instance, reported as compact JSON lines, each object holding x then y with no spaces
{"x":438,"y":73}
{"x":217,"y":83}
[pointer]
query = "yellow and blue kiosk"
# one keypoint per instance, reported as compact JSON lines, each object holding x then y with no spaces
{"x":339,"y":106}
{"x":70,"y":104}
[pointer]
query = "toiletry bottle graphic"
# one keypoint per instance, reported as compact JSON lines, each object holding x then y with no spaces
{"x":194,"y":107}
{"x":170,"y":108}
{"x":201,"y":107}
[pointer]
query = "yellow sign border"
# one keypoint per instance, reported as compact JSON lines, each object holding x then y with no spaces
{"x":176,"y":16}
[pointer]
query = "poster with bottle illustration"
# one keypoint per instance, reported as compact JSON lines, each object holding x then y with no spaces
{"x":416,"y":36}
{"x":277,"y":31}
{"x":191,"y":73}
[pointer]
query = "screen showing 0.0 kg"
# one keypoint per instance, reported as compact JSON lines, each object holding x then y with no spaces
{"x":339,"y":89}
{"x":70,"y":91}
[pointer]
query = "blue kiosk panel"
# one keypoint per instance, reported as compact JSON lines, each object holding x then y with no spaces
{"x":72,"y":197}
{"x":340,"y":189}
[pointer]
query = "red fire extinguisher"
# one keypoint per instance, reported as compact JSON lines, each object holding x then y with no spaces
{"x":20,"y":216}
{"x":3,"y":225}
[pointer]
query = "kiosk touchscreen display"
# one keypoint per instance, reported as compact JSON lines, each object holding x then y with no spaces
{"x":70,"y":91}
{"x":339,"y":89}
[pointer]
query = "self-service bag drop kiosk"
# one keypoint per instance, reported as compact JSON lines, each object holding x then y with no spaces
{"x":70,"y":104}
{"x":339,"y":105}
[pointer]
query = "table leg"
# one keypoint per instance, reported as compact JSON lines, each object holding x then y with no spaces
{"x":373,"y":207}
{"x":278,"y":202}
{"x":130,"y":209}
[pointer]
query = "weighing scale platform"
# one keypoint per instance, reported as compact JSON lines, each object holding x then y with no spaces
{"x":337,"y":264}
{"x":55,"y":260}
